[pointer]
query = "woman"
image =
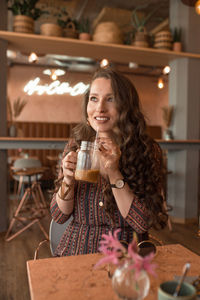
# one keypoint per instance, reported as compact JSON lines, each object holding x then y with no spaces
{"x":128,"y":194}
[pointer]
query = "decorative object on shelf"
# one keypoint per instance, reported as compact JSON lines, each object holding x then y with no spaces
{"x":108,"y":32}
{"x":84,"y":29}
{"x":70,"y":30}
{"x":177,"y":45}
{"x":14,"y":111}
{"x":130,"y":279}
{"x":50,"y":29}
{"x":163,"y":40}
{"x":25,"y":12}
{"x":168,"y":112}
{"x":139,"y":22}
{"x":68,"y":25}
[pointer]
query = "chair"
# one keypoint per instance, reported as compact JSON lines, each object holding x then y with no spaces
{"x":25,"y":163}
{"x":55,"y":233}
{"x":32,"y":207}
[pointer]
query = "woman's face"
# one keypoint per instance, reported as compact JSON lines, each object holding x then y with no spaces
{"x":101,"y":108}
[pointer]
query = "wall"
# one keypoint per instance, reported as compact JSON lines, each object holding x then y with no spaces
{"x":65,"y":108}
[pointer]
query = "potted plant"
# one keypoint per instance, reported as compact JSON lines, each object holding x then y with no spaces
{"x":25,"y":13}
{"x":68,"y":25}
{"x":168,"y":112}
{"x":84,"y":29}
{"x":14,"y":110}
{"x":139,"y":22}
{"x":177,"y":45}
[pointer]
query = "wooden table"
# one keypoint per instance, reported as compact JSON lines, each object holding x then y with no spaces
{"x":74,"y":277}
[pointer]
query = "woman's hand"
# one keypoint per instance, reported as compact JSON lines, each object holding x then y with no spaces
{"x":69,"y":166}
{"x":109,"y":155}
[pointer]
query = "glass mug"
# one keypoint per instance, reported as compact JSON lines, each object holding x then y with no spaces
{"x":87,"y":168}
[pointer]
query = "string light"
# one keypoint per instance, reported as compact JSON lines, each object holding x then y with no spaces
{"x":104,"y":63}
{"x":54,"y":73}
{"x":166,"y":70}
{"x":197,"y":7}
{"x":160,"y":83}
{"x":33,"y":57}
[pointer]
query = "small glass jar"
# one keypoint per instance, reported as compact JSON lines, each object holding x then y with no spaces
{"x":87,"y":168}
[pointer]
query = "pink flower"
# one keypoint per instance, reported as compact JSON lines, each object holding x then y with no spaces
{"x":114,"y":251}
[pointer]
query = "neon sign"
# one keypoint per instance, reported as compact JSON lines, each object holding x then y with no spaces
{"x":55,"y":87}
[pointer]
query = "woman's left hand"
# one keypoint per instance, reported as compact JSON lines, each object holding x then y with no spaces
{"x":109,"y":155}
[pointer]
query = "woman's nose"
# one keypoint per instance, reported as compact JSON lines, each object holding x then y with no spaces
{"x":101,"y":107}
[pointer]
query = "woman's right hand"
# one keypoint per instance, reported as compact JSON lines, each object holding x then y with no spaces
{"x":69,"y":167}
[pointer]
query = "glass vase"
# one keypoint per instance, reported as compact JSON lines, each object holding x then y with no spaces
{"x":129,"y":287}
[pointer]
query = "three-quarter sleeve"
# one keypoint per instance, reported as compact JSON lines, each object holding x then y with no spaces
{"x":138,"y":216}
{"x":56,"y":213}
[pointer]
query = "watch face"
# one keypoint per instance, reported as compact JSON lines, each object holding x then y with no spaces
{"x":119,"y":183}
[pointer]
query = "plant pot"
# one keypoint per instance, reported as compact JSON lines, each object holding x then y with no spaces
{"x":84,"y":36}
{"x":12,"y":130}
{"x":167,"y":134}
{"x":141,"y":40}
{"x":108,"y":32}
{"x":23,"y":24}
{"x":50,"y":29}
{"x":163,"y":40}
{"x":177,"y":46}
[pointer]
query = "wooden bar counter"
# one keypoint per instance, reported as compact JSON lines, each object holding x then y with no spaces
{"x":75,"y":278}
{"x":59,"y":143}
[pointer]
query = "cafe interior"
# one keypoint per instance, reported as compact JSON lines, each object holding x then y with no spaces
{"x":46,"y":67}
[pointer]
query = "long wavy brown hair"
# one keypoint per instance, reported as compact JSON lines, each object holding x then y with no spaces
{"x":141,"y":158}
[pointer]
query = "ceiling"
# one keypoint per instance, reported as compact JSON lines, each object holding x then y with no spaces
{"x":98,"y":11}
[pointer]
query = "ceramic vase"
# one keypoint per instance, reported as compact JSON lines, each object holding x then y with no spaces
{"x":127,"y":285}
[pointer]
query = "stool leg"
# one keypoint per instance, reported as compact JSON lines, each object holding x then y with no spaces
{"x":41,"y":195}
{"x":43,"y":230}
{"x":21,"y":230}
{"x":21,"y":203}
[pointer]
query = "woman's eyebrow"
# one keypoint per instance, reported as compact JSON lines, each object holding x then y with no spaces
{"x":94,"y":94}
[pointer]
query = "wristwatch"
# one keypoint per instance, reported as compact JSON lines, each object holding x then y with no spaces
{"x":119,"y":184}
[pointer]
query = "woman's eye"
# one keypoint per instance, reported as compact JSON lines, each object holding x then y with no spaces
{"x":111,"y":99}
{"x":93,"y":98}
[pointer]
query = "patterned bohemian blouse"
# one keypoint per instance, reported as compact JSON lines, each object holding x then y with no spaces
{"x":90,"y":221}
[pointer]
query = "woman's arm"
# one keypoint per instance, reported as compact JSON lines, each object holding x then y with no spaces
{"x":63,"y":199}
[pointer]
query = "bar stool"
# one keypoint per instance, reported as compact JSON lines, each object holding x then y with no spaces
{"x":32,"y":206}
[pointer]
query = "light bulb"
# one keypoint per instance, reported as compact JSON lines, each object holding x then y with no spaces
{"x":166,"y":70}
{"x":104,"y":63}
{"x":197,"y":7}
{"x":32,"y":57}
{"x":160,"y":83}
{"x":53,"y":76}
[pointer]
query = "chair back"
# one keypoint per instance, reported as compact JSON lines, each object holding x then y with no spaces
{"x":25,"y":163}
{"x":56,"y":231}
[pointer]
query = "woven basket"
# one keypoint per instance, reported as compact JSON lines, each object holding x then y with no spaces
{"x":70,"y":31}
{"x":163,"y":40}
{"x":108,"y":32}
{"x":23,"y":24}
{"x":50,"y":29}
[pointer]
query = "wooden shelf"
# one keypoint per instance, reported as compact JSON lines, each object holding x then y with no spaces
{"x":40,"y":44}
